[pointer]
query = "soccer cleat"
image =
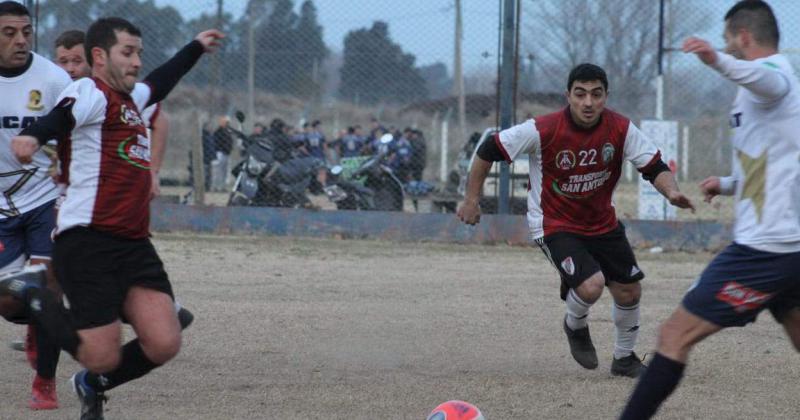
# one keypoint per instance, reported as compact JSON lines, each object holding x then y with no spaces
{"x":43,"y":395}
{"x":91,"y":400}
{"x":581,"y":347}
{"x":30,"y":346}
{"x":19,"y":283}
{"x":630,"y":366}
{"x":185,"y":318}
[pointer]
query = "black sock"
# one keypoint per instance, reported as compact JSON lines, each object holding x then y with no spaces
{"x":51,"y":317}
{"x":134,"y":364}
{"x":659,"y":380}
{"x":47,"y":353}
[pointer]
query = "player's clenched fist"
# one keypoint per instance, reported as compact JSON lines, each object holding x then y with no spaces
{"x":210,"y":39}
{"x":24,"y":147}
{"x":469,"y":212}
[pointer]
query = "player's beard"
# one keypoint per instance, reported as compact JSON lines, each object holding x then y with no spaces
{"x":124,"y":82}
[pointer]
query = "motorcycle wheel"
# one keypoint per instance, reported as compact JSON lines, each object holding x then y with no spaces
{"x":347,"y":204}
{"x":388,"y":199}
{"x":237,"y":200}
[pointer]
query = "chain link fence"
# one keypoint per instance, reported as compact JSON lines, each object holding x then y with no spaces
{"x":341,"y":73}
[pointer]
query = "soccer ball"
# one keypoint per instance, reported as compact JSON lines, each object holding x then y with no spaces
{"x":456,"y":410}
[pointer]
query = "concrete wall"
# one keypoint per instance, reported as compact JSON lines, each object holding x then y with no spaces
{"x":416,"y":227}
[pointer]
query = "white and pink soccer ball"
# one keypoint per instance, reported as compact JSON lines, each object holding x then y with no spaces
{"x":455,"y":410}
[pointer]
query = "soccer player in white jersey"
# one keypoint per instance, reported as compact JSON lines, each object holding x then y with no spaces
{"x":759,"y":269}
{"x":104,"y":260}
{"x":30,"y":85}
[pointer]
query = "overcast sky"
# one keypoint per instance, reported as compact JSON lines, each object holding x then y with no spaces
{"x":425,"y":27}
{"x":422,"y":27}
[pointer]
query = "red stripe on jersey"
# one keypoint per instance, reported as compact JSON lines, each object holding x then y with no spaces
{"x":122,"y":204}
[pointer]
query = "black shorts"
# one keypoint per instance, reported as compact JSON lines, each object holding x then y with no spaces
{"x":96,"y":269}
{"x":578,"y":257}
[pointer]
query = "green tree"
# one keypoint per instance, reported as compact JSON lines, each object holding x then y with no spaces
{"x":228,"y":61}
{"x":276,"y":50}
{"x":312,"y":51}
{"x":161,"y":26}
{"x":376,"y":69}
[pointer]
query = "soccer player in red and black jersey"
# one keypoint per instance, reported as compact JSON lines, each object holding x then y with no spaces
{"x":104,"y":260}
{"x":576,"y":157}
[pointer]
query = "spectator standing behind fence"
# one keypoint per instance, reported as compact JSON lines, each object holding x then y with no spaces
{"x":282,"y":145}
{"x":419,"y":155}
{"x":376,"y":130}
{"x":401,"y":159}
{"x":259,"y":134}
{"x":316,"y":145}
{"x":352,"y":144}
{"x":223,"y":144}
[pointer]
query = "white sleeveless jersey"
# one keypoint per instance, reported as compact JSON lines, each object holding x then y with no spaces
{"x":24,"y":99}
{"x":765,"y":122}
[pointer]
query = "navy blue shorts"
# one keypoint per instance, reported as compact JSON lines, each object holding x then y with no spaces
{"x":741,"y":281}
{"x":28,"y":234}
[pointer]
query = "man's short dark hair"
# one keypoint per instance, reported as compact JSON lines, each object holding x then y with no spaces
{"x":103,"y":34}
{"x":757,"y":17}
{"x":587,"y":72}
{"x":13,"y":8}
{"x":69,"y":39}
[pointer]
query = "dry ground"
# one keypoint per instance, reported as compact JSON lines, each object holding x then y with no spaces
{"x":323,"y":329}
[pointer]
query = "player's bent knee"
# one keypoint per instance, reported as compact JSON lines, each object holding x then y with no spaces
{"x":101,"y":361}
{"x":674,"y":335}
{"x":592,"y":288}
{"x":162,"y":350}
{"x":626,"y":294}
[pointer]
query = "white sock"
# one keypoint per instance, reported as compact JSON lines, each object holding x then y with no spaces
{"x":626,"y":322}
{"x":577,"y":311}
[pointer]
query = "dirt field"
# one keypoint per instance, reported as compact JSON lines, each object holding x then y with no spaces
{"x":324,"y":329}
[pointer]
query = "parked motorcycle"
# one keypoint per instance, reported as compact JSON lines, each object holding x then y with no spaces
{"x":263,"y":181}
{"x":371,"y":186}
{"x":346,"y":193}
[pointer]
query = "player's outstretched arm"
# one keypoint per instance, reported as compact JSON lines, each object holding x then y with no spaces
{"x":163,"y":79}
{"x":469,"y":211}
{"x":665,"y":184}
{"x":764,"y":81}
{"x":700,"y":47}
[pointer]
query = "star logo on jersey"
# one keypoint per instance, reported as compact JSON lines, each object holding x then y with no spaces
{"x":755,"y":180}
{"x":565,"y":160}
{"x":568,"y":265}
{"x":35,"y":100}
{"x":607,"y":153}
